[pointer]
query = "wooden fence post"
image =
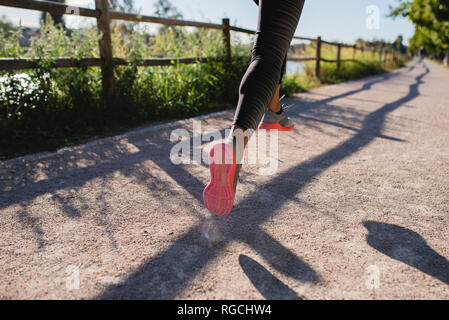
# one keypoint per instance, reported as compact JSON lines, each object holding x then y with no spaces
{"x":318,"y":57}
{"x":227,"y":38}
{"x":339,"y":57}
{"x":107,"y":68}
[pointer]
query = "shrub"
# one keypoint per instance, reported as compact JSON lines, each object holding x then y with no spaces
{"x":46,"y":108}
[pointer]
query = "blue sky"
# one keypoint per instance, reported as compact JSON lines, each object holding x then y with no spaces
{"x":333,"y":20}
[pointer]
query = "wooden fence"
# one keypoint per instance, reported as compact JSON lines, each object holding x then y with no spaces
{"x":105,"y":15}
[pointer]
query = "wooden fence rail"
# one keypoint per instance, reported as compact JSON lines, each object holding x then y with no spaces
{"x":10,"y":64}
{"x":104,"y":15}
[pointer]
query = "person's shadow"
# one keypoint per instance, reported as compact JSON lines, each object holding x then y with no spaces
{"x":408,"y":247}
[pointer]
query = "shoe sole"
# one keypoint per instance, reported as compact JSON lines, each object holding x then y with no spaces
{"x":218,"y":196}
{"x":275,"y":127}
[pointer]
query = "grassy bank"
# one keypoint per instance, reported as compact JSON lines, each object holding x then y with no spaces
{"x":368,"y":64}
{"x":46,"y":109}
{"x":440,"y":63}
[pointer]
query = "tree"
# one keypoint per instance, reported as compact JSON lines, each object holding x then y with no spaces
{"x":6,"y":25}
{"x":399,"y":45}
{"x":431,"y":19}
{"x":125,"y":27}
{"x":58,"y":19}
{"x":124,"y":5}
{"x":165,"y":9}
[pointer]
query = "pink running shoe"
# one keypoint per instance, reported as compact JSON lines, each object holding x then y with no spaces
{"x":218,"y":195}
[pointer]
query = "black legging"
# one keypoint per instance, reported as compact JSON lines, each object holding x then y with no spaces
{"x":277,"y":24}
{"x":284,"y":64}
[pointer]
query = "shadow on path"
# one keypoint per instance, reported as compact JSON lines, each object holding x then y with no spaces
{"x":18,"y":188}
{"x":408,"y":247}
{"x":266,"y":283}
{"x":167,"y":274}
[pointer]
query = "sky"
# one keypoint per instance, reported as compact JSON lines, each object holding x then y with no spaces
{"x":333,"y":20}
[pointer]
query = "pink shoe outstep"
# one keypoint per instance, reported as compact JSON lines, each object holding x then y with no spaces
{"x":218,"y":195}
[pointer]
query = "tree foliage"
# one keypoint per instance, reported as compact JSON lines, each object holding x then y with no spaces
{"x":58,"y":19}
{"x":6,"y":25}
{"x":165,"y":9}
{"x":123,"y":5}
{"x":431,"y":19}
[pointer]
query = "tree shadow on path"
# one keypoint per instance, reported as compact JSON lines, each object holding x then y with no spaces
{"x":266,"y":283}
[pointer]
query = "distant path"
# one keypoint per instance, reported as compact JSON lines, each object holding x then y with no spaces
{"x":359,"y":208}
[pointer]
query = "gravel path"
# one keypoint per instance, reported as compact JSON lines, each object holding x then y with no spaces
{"x":359,"y":207}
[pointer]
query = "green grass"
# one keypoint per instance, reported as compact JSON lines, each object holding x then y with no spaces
{"x":369,"y":64}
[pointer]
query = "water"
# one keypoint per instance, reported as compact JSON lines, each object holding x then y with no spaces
{"x":294,"y":67}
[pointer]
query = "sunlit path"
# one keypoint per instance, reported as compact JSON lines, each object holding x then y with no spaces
{"x":361,"y":191}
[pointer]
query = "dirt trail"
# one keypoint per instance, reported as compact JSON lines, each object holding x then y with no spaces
{"x":359,"y":207}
